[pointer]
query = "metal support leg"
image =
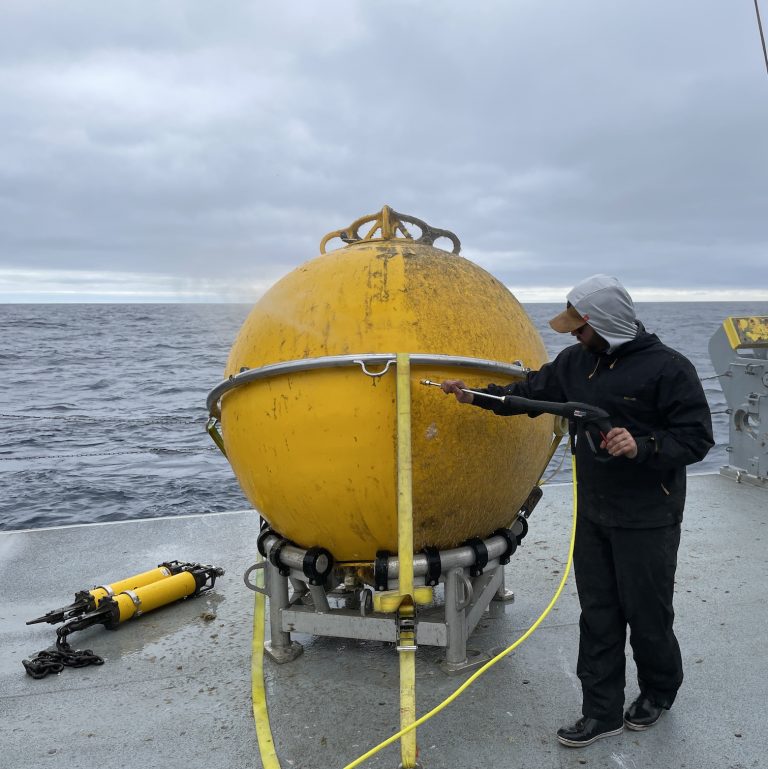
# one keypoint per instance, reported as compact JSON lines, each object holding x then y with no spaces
{"x":279,"y":648}
{"x":319,"y":598}
{"x":457,"y":599}
{"x":502,"y":594}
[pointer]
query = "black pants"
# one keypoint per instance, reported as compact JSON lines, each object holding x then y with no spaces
{"x":626,"y":577}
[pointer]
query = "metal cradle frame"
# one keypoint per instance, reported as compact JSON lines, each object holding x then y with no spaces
{"x":344,"y":608}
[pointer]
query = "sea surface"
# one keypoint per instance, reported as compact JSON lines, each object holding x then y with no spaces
{"x":103,"y":405}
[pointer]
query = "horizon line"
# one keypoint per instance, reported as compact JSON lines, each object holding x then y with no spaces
{"x":650,"y":298}
{"x":67,"y":286}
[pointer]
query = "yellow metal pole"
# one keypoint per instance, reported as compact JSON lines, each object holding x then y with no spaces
{"x":405,"y":557}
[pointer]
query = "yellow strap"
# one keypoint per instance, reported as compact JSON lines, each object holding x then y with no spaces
{"x":405,"y":554}
{"x":498,"y":657}
{"x":269,"y":758}
{"x":404,"y":477}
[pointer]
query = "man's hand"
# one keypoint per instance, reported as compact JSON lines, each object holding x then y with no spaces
{"x":620,"y":443}
{"x":456,"y":386}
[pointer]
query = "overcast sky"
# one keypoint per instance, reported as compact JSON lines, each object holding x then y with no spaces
{"x":198,"y":151}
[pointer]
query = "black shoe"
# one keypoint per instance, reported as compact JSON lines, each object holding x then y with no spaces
{"x":642,"y":713}
{"x":586,"y":730}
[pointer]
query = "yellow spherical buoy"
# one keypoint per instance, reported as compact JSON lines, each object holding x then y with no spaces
{"x":313,"y":443}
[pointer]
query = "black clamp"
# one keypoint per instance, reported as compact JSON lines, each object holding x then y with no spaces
{"x":434,"y":566}
{"x":531,"y":501}
{"x":317,"y":565}
{"x":381,"y":570}
{"x":523,"y":521}
{"x":274,"y":558}
{"x":263,"y":534}
{"x":512,"y":544}
{"x":481,"y":556}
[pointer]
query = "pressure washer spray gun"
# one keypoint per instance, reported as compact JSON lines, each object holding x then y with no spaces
{"x":113,"y":604}
{"x":586,"y":418}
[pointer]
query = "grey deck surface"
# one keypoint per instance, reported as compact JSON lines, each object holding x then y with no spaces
{"x":175,"y":688}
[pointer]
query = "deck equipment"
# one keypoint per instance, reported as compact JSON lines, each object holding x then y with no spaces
{"x":739,"y":354}
{"x":88,"y":600}
{"x":307,"y":407}
{"x":371,"y":504}
{"x":191,"y":579}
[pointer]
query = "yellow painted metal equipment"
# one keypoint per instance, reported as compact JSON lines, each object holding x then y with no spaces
{"x":315,"y":450}
{"x":747,"y":332}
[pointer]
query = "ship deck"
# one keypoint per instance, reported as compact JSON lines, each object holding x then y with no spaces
{"x":175,"y":687}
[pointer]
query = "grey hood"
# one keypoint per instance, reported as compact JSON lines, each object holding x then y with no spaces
{"x":605,"y":304}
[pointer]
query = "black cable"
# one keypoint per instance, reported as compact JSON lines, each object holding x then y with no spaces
{"x":762,"y":36}
{"x":147,"y":450}
{"x":158,"y":420}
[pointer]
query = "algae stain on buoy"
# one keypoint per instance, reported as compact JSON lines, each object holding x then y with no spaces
{"x":315,"y":450}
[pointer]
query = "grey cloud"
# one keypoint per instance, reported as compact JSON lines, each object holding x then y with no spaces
{"x":555,"y":139}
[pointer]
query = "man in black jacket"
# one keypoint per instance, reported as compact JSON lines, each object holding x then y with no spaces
{"x":630,"y":507}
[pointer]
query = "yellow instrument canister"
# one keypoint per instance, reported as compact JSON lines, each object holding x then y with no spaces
{"x":315,"y":450}
{"x":153,"y":596}
{"x":130,"y":583}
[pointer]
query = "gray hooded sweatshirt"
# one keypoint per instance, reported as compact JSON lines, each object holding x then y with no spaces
{"x":605,"y":304}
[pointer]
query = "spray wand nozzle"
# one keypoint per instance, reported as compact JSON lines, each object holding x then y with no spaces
{"x":583,"y":415}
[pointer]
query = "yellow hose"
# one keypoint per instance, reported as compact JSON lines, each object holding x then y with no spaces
{"x":498,"y":657}
{"x":269,"y":758}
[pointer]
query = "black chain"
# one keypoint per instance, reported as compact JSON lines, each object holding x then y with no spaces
{"x":54,"y":660}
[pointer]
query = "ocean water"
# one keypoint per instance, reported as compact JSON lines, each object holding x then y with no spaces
{"x":103,"y":406}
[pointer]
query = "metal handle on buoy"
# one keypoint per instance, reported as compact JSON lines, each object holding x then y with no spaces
{"x":250,"y":585}
{"x":462,"y":579}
